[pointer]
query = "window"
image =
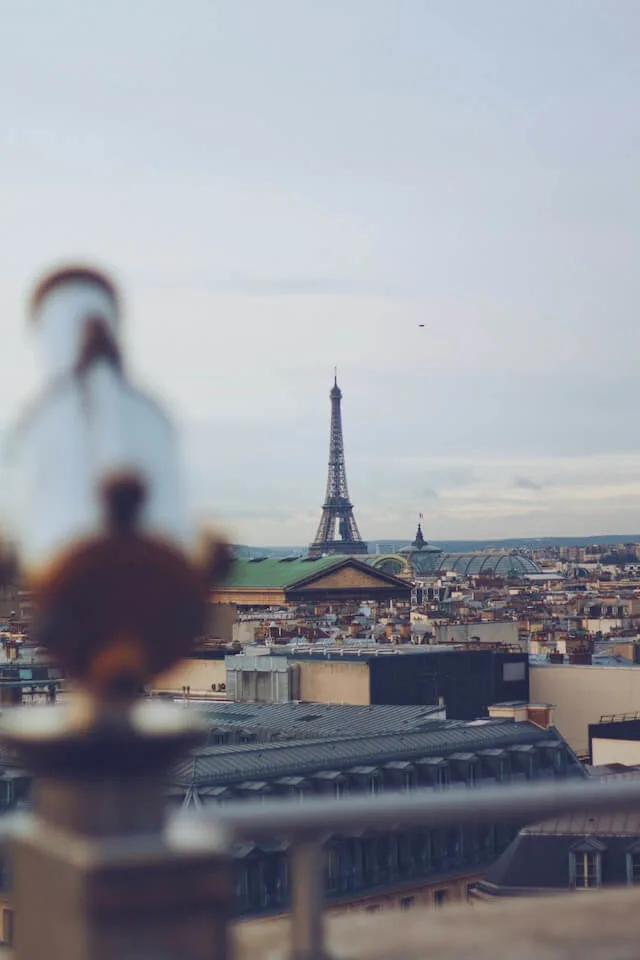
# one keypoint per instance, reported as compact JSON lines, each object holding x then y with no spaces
{"x":559,"y":759}
{"x":6,"y":793}
{"x":586,"y":870}
{"x":407,"y":902}
{"x":443,"y":776}
{"x":532,"y":766}
{"x":387,"y":856}
{"x":513,"y":671}
{"x":633,"y":866}
{"x":407,"y":781}
{"x":437,"y":848}
{"x":485,"y":840}
{"x":440,"y":897}
{"x":7,"y":927}
{"x":453,"y":844}
{"x":332,"y":869}
{"x":420,"y":848}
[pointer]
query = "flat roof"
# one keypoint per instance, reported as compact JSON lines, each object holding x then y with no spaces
{"x":294,"y":720}
{"x":390,"y":650}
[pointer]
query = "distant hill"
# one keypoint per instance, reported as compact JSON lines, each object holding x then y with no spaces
{"x":455,"y":546}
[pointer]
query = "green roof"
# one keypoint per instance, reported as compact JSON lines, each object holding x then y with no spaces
{"x":273,"y":572}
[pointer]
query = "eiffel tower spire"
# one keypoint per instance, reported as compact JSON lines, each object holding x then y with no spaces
{"x":338,"y":531}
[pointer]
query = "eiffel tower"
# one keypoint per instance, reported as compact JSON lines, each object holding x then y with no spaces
{"x":338,"y":531}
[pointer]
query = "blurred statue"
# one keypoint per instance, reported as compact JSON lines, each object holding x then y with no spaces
{"x":98,"y":514}
{"x":104,"y":538}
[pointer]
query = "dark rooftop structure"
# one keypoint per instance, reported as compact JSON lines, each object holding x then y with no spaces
{"x":445,"y":753}
{"x":529,"y":750}
{"x":573,"y":852}
{"x":620,"y":728}
{"x":466,"y":681}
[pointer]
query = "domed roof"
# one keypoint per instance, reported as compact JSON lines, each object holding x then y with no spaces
{"x":473,"y":564}
{"x":431,"y":561}
{"x":419,"y":545}
{"x":390,"y":563}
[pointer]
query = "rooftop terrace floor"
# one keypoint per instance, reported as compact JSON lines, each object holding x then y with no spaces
{"x":574,"y":926}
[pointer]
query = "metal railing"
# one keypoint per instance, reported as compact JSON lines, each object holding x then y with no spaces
{"x":619,"y":717}
{"x":308,"y":825}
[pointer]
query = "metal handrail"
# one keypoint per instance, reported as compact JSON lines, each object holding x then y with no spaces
{"x":308,"y":824}
{"x":619,"y":717}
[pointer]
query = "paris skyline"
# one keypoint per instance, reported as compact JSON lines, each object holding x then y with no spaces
{"x":281,"y":188}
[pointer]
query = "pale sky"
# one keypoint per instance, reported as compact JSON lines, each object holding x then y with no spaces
{"x":284,"y":185}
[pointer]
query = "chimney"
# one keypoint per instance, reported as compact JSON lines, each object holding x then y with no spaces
{"x":582,"y":657}
{"x":516,"y":710}
{"x":541,"y":714}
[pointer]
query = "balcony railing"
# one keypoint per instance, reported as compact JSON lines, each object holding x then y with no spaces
{"x":307,"y":826}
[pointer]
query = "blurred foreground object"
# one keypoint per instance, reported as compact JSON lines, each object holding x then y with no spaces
{"x":98,"y":513}
{"x":104,"y":539}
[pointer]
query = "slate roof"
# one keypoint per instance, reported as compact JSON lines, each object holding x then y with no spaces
{"x":212,"y":766}
{"x":541,"y":863}
{"x":615,"y":771}
{"x":312,"y":720}
{"x":611,"y":823}
{"x":538,"y":858}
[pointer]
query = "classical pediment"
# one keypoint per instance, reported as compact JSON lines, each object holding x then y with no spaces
{"x":351,"y":575}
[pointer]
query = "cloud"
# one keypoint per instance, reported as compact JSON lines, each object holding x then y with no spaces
{"x":448,"y":477}
{"x":248,"y":273}
{"x":525,"y":483}
{"x":296,"y":286}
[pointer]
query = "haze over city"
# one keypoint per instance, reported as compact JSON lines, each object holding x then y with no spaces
{"x":287,"y":186}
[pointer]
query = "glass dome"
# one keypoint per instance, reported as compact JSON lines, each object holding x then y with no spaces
{"x":426,"y":563}
{"x":498,"y":564}
{"x":392,"y":565}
